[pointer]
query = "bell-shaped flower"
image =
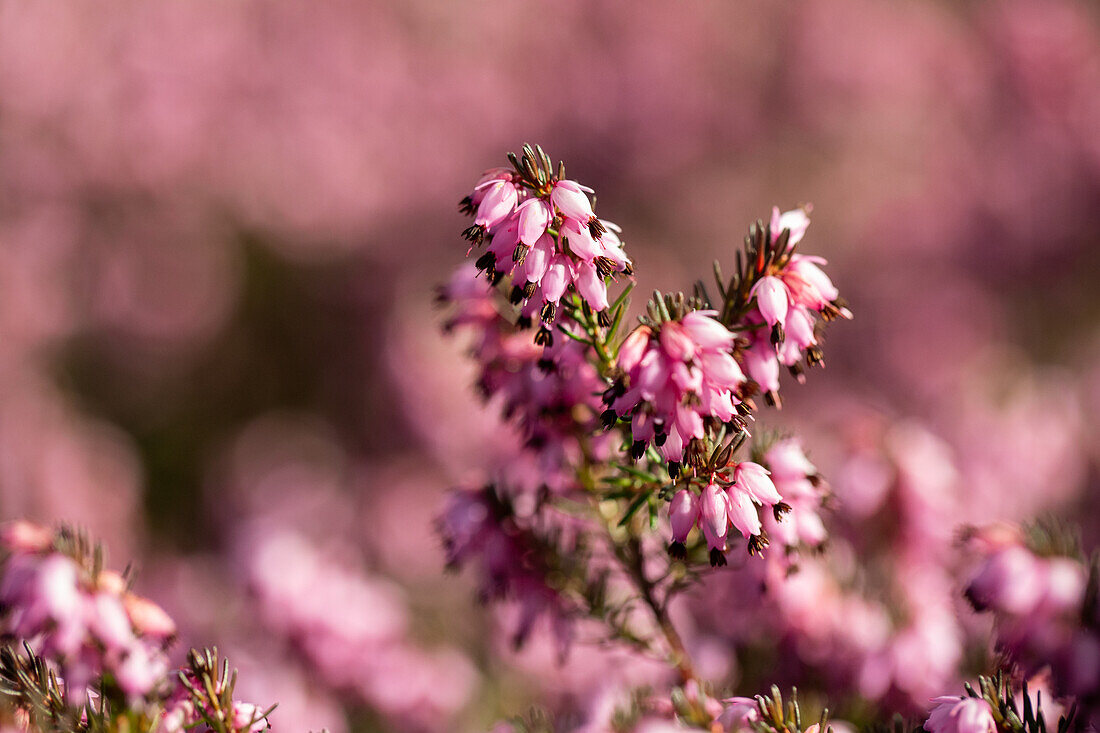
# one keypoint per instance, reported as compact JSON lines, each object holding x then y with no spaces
{"x":742,"y":511}
{"x":497,"y":205}
{"x":714,"y":517}
{"x":754,"y":480}
{"x":534,"y":217}
{"x":570,"y":199}
{"x":772,"y":299}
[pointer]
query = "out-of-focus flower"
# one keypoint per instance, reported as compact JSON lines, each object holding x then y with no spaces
{"x":960,"y":715}
{"x":56,"y":598}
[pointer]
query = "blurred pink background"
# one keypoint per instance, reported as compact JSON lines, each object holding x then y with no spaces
{"x":221,"y":223}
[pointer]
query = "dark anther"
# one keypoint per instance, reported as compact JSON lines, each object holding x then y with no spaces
{"x":466,"y":206}
{"x":529,"y":290}
{"x":637,"y":449}
{"x":475,"y":233}
{"x":520,"y":253}
{"x":596,"y":227}
{"x":777,"y":334}
{"x":814,"y":356}
{"x":673,"y":469}
{"x":758,"y":543}
{"x":549,"y":312}
{"x":677,"y":551}
{"x":781,"y":510}
{"x":659,"y":439}
{"x":628,"y":268}
{"x":516,"y":296}
{"x":717,"y":558}
{"x":486,"y":262}
{"x":604,"y":319}
{"x":546,"y":366}
{"x":604,"y":266}
{"x":495,"y":276}
{"x":612,"y":393}
{"x":523,"y":322}
{"x":544,"y":337}
{"x":609,"y":418}
{"x":772,"y":398}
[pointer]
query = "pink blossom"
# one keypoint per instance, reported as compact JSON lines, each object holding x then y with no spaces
{"x":739,"y":715}
{"x":570,"y":199}
{"x":498,"y":204}
{"x":534,"y":218}
{"x":742,"y":511}
{"x":796,"y":220}
{"x":772,"y":299}
{"x":960,"y":715}
{"x":752,"y":478}
{"x":683,"y":512}
{"x":714,"y":520}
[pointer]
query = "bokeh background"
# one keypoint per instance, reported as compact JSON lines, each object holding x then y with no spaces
{"x":221,"y":224}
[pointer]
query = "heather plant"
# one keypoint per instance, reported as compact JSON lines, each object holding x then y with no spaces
{"x":644,"y":466}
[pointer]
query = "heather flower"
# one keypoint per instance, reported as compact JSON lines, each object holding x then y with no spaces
{"x":739,"y":715}
{"x":676,"y":376}
{"x":960,"y":715}
{"x":772,"y":299}
{"x":683,"y":512}
{"x":541,"y":230}
{"x":798,"y":520}
{"x":714,"y":520}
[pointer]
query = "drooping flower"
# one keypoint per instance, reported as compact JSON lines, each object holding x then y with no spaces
{"x":683,"y":512}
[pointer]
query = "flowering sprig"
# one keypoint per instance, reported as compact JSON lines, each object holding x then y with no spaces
{"x":82,"y":652}
{"x":677,"y":406}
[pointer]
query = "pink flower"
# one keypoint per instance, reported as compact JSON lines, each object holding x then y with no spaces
{"x":683,"y":512}
{"x":753,"y":479}
{"x":534,"y":218}
{"x":742,"y":512}
{"x":497,"y":205}
{"x":772,"y":299}
{"x":762,"y":366}
{"x":714,"y":521}
{"x":960,"y":715}
{"x":739,"y":715}
{"x":797,"y":220}
{"x":570,"y":199}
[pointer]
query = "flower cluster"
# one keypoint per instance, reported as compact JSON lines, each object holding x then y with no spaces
{"x":797,"y":480}
{"x":788,"y":294}
{"x":732,"y":497}
{"x":57,"y":597}
{"x":513,"y":560}
{"x":540,"y":228}
{"x":1035,"y":587}
{"x":676,"y":373}
{"x":350,"y":628}
{"x":550,"y":393}
{"x":83,"y":653}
